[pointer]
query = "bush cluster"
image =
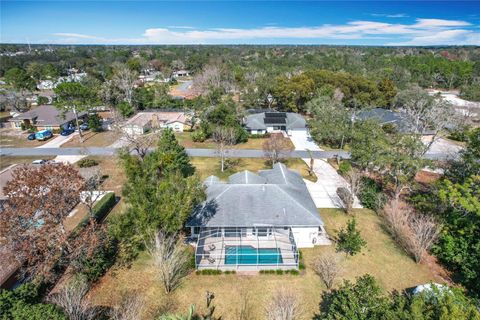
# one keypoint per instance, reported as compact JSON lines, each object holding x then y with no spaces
{"x":214,"y":272}
{"x":344,"y":167}
{"x":371,"y":195}
{"x":87,"y":163}
{"x":293,"y":272}
{"x":198,"y":136}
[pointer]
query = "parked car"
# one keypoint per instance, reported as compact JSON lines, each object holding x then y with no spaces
{"x":31,"y":136}
{"x":39,"y":161}
{"x":43,"y":135}
{"x":84,"y":127}
{"x":67,"y":132}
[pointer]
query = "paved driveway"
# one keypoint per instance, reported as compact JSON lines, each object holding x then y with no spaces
{"x":324,"y":191}
{"x":57,"y":141}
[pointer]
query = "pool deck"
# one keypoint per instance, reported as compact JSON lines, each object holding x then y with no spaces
{"x":211,"y":252}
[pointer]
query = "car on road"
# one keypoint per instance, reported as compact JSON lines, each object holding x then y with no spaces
{"x":67,"y":132}
{"x":31,"y":136}
{"x":39,"y":161}
{"x":84,"y":127}
{"x":43,"y":135}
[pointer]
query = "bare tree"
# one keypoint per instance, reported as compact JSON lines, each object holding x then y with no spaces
{"x":284,"y":306}
{"x":425,"y":114}
{"x":244,"y":307}
{"x":276,"y":147}
{"x":129,"y":308}
{"x":138,"y":143}
{"x":328,"y":267}
{"x":124,"y":79}
{"x":224,"y":137}
{"x":72,"y":298}
{"x":347,"y":194}
{"x":32,"y":220}
{"x":170,"y":258}
{"x":92,"y":191}
{"x":425,"y":232}
{"x":414,"y":231}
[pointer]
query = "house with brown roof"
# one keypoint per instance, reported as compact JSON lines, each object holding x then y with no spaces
{"x":45,"y":117}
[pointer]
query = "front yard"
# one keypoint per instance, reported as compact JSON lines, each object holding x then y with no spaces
{"x":185,"y":139}
{"x":206,"y":167}
{"x":9,"y":138}
{"x":92,"y":139}
{"x":382,"y":258}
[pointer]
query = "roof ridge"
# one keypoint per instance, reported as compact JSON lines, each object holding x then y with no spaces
{"x":296,"y":201}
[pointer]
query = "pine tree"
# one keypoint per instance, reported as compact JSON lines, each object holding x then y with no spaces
{"x":172,"y":155}
{"x":349,"y":240}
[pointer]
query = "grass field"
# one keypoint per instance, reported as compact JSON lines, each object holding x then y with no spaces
{"x":18,"y":141}
{"x":206,"y":167}
{"x":92,"y":139}
{"x":382,"y":258}
{"x":185,"y":139}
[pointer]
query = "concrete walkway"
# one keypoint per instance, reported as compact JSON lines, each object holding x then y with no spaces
{"x":57,"y":142}
{"x":324,"y":191}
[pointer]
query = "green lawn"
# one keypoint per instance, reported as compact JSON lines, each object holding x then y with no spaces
{"x":382,"y":258}
{"x":206,"y":167}
{"x":185,"y":139}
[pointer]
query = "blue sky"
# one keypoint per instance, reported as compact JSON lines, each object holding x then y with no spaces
{"x":241,"y":22}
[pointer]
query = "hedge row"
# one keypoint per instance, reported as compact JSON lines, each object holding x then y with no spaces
{"x":294,"y":272}
{"x":100,"y":210}
{"x":213,"y":272}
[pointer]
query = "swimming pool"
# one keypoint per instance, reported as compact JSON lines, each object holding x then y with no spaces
{"x":248,"y":255}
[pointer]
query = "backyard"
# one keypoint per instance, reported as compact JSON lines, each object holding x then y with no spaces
{"x":381,"y":258}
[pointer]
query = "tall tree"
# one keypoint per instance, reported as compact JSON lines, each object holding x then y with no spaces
{"x":33,"y":218}
{"x":75,"y":97}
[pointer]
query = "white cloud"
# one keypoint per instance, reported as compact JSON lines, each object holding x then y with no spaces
{"x":395,"y":15}
{"x":422,"y":32}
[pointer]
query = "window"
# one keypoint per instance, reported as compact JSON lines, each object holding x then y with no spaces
{"x":196,"y":230}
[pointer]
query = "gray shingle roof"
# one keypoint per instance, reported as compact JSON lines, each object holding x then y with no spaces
{"x":256,"y":121}
{"x":277,"y":197}
{"x":48,"y":115}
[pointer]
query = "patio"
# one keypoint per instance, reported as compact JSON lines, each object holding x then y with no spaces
{"x":246,"y":248}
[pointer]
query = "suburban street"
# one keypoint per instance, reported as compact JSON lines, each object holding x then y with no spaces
{"x":244,"y":153}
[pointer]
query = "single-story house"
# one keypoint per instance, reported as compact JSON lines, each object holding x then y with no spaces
{"x":265,"y":122}
{"x":142,"y":122}
{"x":45,"y":117}
{"x":255,"y":221}
{"x":399,"y":120}
{"x":181,"y":73}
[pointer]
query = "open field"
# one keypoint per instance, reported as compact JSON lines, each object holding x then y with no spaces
{"x":206,"y":167}
{"x":92,"y":139}
{"x":382,"y":258}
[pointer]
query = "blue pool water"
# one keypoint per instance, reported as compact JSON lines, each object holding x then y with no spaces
{"x":248,"y":255}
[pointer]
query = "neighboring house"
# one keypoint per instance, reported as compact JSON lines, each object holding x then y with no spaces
{"x":255,"y":221}
{"x":45,"y":117}
{"x":181,"y":73}
{"x":397,"y":119}
{"x":142,"y":122}
{"x":264,"y":122}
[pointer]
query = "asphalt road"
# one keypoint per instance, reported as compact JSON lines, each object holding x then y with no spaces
{"x":240,"y":153}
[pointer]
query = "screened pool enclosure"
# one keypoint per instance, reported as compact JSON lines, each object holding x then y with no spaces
{"x":246,"y":248}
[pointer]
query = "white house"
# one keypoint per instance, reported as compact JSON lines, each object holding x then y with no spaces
{"x":256,"y":221}
{"x":266,"y":122}
{"x":143,"y":122}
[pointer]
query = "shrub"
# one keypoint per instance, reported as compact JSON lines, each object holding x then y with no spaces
{"x":87,"y":163}
{"x":371,"y":195}
{"x":344,"y":167}
{"x":198,"y":136}
{"x":350,"y":240}
{"x":95,"y":122}
{"x":95,"y":264}
{"x":104,"y":205}
{"x":208,"y":272}
{"x":279,"y":272}
{"x":125,"y":109}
